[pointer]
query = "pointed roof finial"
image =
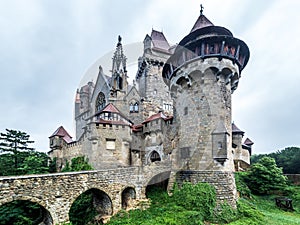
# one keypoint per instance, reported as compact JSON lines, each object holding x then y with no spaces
{"x":201,"y":9}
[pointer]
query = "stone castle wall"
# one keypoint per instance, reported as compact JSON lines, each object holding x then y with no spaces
{"x":223,"y":182}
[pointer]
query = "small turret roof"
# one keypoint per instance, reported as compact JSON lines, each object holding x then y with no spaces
{"x":248,"y":142}
{"x":61,"y":132}
{"x":236,"y":130}
{"x":201,"y":22}
{"x":159,"y":40}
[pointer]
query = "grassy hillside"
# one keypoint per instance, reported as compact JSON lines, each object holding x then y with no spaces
{"x":255,"y":210}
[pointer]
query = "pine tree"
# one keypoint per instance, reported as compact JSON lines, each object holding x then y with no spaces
{"x":15,"y":143}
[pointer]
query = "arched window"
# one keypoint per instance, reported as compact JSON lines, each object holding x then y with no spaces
{"x":154,"y":156}
{"x":136,"y":107}
{"x":131,"y":107}
{"x":100,"y":101}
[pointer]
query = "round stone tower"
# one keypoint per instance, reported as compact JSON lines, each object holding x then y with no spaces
{"x":202,"y":74}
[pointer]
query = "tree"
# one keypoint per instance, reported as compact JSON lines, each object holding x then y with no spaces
{"x":14,"y":142}
{"x":18,"y":158}
{"x":77,"y":164}
{"x":35,"y":163}
{"x":265,"y":177}
{"x":288,"y":159}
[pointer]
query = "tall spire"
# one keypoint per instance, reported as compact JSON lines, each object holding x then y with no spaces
{"x":119,"y":59}
{"x":119,"y":72}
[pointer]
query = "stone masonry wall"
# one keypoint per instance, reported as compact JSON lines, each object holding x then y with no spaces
{"x":224,"y":183}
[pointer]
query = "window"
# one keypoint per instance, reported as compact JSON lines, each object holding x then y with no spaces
{"x":185,"y":152}
{"x":110,"y":144}
{"x":100,"y":101}
{"x":155,"y":92}
{"x":186,"y":112}
{"x":136,"y":107}
{"x":131,"y":107}
{"x":154,"y":156}
{"x":220,"y":146}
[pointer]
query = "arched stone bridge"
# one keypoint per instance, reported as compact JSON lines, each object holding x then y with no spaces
{"x":57,"y":192}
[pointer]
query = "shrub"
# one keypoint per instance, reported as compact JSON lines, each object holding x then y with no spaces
{"x":265,"y":177}
{"x":241,"y":185}
{"x":198,"y":197}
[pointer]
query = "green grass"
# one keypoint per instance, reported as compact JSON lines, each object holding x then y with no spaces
{"x":271,"y":214}
{"x":258,"y":210}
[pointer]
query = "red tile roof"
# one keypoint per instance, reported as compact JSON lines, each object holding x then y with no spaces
{"x":136,"y":128}
{"x":61,"y":132}
{"x":110,"y":108}
{"x":159,"y":40}
{"x":201,"y":22}
{"x":159,"y":115}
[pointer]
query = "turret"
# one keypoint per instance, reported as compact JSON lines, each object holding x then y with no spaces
{"x":201,"y":74}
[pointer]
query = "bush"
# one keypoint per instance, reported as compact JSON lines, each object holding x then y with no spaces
{"x":241,"y":185}
{"x":264,"y":177}
{"x":199,"y":197}
{"x":77,"y":164}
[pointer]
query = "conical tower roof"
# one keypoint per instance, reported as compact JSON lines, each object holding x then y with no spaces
{"x":201,"y":22}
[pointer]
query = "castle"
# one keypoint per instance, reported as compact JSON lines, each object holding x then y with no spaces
{"x":177,"y":112}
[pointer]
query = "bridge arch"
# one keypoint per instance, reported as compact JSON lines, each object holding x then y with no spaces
{"x":96,"y":198}
{"x":158,"y":180}
{"x":127,"y":197}
{"x":47,"y":213}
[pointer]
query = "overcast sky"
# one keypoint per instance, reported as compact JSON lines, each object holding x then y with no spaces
{"x":46,"y":47}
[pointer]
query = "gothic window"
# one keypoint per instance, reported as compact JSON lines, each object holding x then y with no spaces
{"x":154,"y":156}
{"x":100,"y":102}
{"x":136,"y":107}
{"x":131,"y":107}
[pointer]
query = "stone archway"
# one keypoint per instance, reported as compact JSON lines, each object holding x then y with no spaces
{"x":128,"y":195}
{"x":93,"y":204}
{"x":154,"y":156}
{"x":30,"y":210}
{"x":160,"y":180}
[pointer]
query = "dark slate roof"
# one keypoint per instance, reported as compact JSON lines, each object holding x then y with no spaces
{"x":248,"y":142}
{"x":61,"y":132}
{"x":201,"y":22}
{"x":236,"y":130}
{"x":159,"y":40}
